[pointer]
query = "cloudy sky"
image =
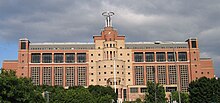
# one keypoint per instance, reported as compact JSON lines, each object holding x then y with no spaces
{"x":138,"y":20}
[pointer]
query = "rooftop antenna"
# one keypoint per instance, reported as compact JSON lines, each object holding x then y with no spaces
{"x":108,"y":21}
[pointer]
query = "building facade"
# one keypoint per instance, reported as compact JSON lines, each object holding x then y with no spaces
{"x":110,"y":61}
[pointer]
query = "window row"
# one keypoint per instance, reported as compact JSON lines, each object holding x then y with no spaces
{"x":46,"y":76}
{"x":160,"y":56}
{"x":164,"y":76}
{"x":58,"y":57}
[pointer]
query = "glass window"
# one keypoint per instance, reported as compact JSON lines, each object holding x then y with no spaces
{"x":149,"y":56}
{"x":193,"y":44}
{"x":138,"y":57}
{"x":161,"y":70}
{"x":23,"y":45}
{"x":182,"y":56}
{"x":170,"y":56}
{"x":160,"y":56}
{"x":133,"y":90}
{"x":70,"y":58}
{"x":35,"y":58}
{"x":82,"y":76}
{"x":139,"y":75}
{"x":81,"y":57}
{"x":172,"y":74}
{"x":150,"y":73}
{"x":58,"y":58}
{"x":143,"y":90}
{"x":47,"y":58}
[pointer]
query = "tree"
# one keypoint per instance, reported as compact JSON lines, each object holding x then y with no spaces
{"x":102,"y":94}
{"x":155,"y":90}
{"x":204,"y":90}
{"x":17,"y":90}
{"x":184,"y":97}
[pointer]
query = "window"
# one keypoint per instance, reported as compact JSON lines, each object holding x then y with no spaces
{"x":98,"y":54}
{"x":104,"y":66}
{"x":184,"y":78}
{"x":70,"y":58}
{"x":47,"y":75}
{"x":81,"y":57}
{"x":143,"y":90}
{"x":82,"y":76}
{"x":91,"y":54}
{"x":70,"y":76}
{"x":172,"y":74}
{"x":58,"y":58}
{"x":104,"y":72}
{"x":128,"y":60}
{"x":160,"y":57}
{"x":129,"y":79}
{"x":35,"y":75}
{"x":138,"y":57}
{"x":149,"y":56}
{"x":161,"y":74}
{"x":128,"y":54}
{"x":35,"y":58}
{"x":23,"y":45}
{"x":111,"y":72}
{"x":91,"y":60}
{"x":194,"y":44}
{"x":128,"y":66}
{"x":58,"y":76}
{"x":47,"y":58}
{"x":133,"y":90}
{"x":182,"y":56}
{"x":150,"y":70}
{"x":171,"y":56}
{"x":139,"y":75}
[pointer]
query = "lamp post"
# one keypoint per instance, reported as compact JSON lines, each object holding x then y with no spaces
{"x":114,"y":75}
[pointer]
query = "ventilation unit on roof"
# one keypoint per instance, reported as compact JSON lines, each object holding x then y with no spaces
{"x":157,"y":42}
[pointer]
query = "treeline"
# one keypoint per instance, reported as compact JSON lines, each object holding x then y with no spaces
{"x":21,"y":90}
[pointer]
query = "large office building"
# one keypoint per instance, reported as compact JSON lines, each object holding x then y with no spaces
{"x":111,"y":61}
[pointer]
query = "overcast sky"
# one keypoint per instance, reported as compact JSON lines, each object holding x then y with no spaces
{"x":138,"y":20}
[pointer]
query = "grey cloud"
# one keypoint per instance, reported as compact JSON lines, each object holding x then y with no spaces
{"x":142,"y":20}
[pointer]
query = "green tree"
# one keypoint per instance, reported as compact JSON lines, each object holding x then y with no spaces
{"x":184,"y":97}
{"x":79,"y":95}
{"x":102,"y":94}
{"x":17,"y":90}
{"x":204,"y":90}
{"x":155,"y":90}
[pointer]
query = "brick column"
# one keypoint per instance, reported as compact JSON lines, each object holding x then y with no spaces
{"x":41,"y":76}
{"x":64,"y":76}
{"x":156,"y":74}
{"x":52,"y":75}
{"x":145,"y":77}
{"x":167,"y":75}
{"x":76,"y":75}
